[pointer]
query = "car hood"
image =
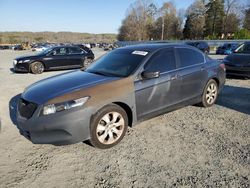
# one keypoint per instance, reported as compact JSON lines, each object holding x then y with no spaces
{"x":27,"y":57}
{"x":234,"y":58}
{"x":47,"y":89}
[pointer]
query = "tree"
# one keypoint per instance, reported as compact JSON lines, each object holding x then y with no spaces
{"x":139,"y":20}
{"x":194,"y":26}
{"x":232,"y":25}
{"x":228,"y":6}
{"x":167,"y":25}
{"x":242,"y":34}
{"x":232,"y":17}
{"x":247,"y":19}
{"x":214,"y":18}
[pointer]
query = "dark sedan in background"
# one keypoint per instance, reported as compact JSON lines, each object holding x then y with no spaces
{"x":238,"y":63}
{"x":201,"y":45}
{"x":60,"y":57}
{"x":122,"y":88}
{"x":227,"y":48}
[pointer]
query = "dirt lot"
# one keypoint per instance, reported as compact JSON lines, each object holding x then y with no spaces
{"x":189,"y":147}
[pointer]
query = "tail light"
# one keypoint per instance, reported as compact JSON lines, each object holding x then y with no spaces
{"x":222,"y":65}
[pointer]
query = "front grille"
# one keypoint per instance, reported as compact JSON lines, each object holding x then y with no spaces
{"x":26,"y":109}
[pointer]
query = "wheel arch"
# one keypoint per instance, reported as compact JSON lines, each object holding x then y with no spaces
{"x":128,"y":111}
{"x":216,"y":80}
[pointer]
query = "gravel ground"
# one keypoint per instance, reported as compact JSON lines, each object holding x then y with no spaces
{"x":190,"y":147}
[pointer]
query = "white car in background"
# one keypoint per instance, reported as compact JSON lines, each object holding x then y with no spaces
{"x":87,"y":45}
{"x":40,"y":48}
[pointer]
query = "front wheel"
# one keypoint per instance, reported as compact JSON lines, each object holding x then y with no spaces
{"x":108,"y":126}
{"x":210,"y":94}
{"x":37,"y":68}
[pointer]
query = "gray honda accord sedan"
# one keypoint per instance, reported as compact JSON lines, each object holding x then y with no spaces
{"x":122,"y":88}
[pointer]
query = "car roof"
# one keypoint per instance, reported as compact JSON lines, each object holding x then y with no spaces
{"x":65,"y":46}
{"x":151,"y":47}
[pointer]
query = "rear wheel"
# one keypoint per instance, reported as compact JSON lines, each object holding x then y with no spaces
{"x":37,"y":68}
{"x":86,"y":62}
{"x":210,"y":94}
{"x":108,"y":127}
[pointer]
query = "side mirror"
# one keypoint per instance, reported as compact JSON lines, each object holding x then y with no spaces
{"x":150,"y":75}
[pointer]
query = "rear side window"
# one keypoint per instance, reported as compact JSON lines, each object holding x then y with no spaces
{"x":189,"y":57}
{"x":60,"y":51}
{"x":75,"y":50}
{"x":163,"y":61}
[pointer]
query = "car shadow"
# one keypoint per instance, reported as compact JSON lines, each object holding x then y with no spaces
{"x":13,"y":108}
{"x":14,"y":72}
{"x":235,"y":98}
{"x":237,"y":77}
{"x":56,"y":70}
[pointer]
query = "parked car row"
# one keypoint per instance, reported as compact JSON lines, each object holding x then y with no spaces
{"x":58,"y":57}
{"x":201,"y":45}
{"x":227,"y":48}
{"x":12,"y":47}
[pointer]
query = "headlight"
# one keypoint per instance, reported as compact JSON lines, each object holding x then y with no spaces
{"x":24,"y":61}
{"x":15,"y":62}
{"x":53,"y":108}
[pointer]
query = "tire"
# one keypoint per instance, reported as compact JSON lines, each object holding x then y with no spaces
{"x":87,"y":62}
{"x":104,"y":133}
{"x":210,"y":94}
{"x":37,"y":68}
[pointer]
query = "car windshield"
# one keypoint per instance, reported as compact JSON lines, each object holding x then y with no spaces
{"x":240,"y":48}
{"x":119,"y":63}
{"x":45,"y":51}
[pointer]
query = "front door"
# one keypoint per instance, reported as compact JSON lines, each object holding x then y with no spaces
{"x":155,"y":94}
{"x":58,"y":58}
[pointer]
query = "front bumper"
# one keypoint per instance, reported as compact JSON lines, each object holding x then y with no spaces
{"x":67,"y":127}
{"x":22,"y":67}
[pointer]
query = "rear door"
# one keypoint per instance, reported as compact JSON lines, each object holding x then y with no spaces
{"x":76,"y":56}
{"x":192,"y":72}
{"x":156,"y":94}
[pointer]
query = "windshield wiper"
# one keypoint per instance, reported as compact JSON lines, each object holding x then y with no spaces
{"x":97,"y":72}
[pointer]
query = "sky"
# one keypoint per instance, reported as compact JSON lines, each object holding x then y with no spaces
{"x":90,"y":16}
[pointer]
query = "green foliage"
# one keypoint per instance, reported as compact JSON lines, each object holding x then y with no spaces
{"x":247,"y":19}
{"x":242,"y":34}
{"x":211,"y":37}
{"x":56,"y":37}
{"x":187,"y":28}
{"x":214,"y":17}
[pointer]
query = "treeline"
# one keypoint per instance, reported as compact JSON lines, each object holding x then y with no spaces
{"x":204,"y":19}
{"x":55,"y":37}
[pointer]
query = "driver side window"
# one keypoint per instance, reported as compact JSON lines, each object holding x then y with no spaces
{"x":163,"y":61}
{"x":244,"y":48}
{"x":60,"y":51}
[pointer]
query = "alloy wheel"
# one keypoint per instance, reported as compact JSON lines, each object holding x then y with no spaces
{"x":211,"y":93}
{"x":110,"y":128}
{"x":37,"y":68}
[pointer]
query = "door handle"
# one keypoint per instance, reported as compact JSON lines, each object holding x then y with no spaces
{"x":174,"y":77}
{"x":202,"y":68}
